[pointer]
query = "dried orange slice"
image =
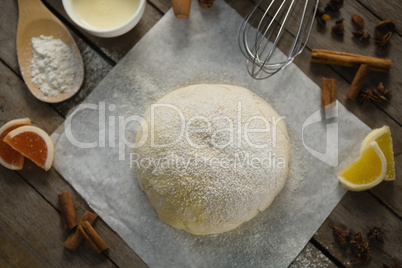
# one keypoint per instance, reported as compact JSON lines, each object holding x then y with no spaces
{"x":366,"y":171}
{"x":33,"y":143}
{"x":384,"y":140}
{"x":9,"y":157}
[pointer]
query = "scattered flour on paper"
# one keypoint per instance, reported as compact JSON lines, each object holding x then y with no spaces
{"x":53,"y":65}
{"x":311,"y":258}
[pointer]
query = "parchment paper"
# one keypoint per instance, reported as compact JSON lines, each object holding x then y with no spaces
{"x":203,"y":49}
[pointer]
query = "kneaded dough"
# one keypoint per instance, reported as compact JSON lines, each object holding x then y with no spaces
{"x":211,"y":157}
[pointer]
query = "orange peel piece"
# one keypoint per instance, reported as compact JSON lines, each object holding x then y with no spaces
{"x":9,"y":157}
{"x":33,"y":143}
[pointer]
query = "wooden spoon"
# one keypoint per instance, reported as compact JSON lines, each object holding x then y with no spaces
{"x":36,"y":20}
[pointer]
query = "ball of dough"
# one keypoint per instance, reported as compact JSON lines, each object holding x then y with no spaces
{"x":211,"y":157}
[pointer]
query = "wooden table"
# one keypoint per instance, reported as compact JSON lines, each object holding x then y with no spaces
{"x":31,"y":232}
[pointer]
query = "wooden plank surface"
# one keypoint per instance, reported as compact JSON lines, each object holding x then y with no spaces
{"x":114,"y":48}
{"x":96,"y":67}
{"x":350,"y":44}
{"x":17,"y":102}
{"x":390,"y":192}
{"x":312,"y":257}
{"x":35,"y":239}
{"x":49,"y":184}
{"x":370,"y":114}
{"x":391,"y":10}
{"x":24,"y":213}
{"x":360,"y":212}
{"x":324,"y":38}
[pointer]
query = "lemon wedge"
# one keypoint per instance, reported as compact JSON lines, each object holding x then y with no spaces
{"x":366,"y":171}
{"x":384,"y":140}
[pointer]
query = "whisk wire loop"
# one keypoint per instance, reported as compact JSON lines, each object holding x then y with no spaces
{"x":258,"y":44}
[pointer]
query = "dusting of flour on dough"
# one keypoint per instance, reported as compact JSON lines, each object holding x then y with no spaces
{"x":218,"y":185}
{"x":52,"y":66}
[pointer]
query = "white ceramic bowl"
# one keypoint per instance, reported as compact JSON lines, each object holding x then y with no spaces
{"x":122,"y":29}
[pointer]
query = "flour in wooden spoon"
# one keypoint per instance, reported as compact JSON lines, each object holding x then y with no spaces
{"x":52,"y":66}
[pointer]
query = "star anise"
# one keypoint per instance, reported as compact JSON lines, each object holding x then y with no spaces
{"x":361,"y":35}
{"x":375,"y":95}
{"x":342,"y":236}
{"x":361,"y":248}
{"x":376,"y":233}
{"x":382,"y":40}
{"x":368,"y":95}
{"x":385,"y":26}
{"x":383,"y":92}
{"x":394,"y":264}
{"x":338,"y":27}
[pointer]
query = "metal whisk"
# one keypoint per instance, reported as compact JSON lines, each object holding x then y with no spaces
{"x":263,"y":27}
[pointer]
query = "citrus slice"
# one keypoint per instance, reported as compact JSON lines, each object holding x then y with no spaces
{"x":366,"y":171}
{"x":9,"y":157}
{"x":384,"y":140}
{"x":33,"y":143}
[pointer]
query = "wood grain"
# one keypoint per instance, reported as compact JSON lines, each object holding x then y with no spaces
{"x":392,"y":10}
{"x":162,"y":5}
{"x":35,"y":20}
{"x":374,"y":118}
{"x":360,"y":212}
{"x":28,"y":199}
{"x":8,"y":29}
{"x":17,"y":102}
{"x":325,"y":39}
{"x":372,"y":115}
{"x":41,"y":244}
{"x":96,"y":67}
{"x":390,"y":192}
{"x":312,"y":257}
{"x":50,"y":183}
{"x":114,"y":48}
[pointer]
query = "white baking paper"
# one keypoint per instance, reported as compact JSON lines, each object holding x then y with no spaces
{"x":91,"y":145}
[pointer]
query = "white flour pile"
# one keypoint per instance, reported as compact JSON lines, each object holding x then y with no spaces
{"x":53,"y":65}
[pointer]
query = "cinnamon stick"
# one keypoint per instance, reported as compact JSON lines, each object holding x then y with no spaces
{"x":92,"y":237}
{"x":74,"y":239}
{"x":67,"y":210}
{"x":328,"y":92}
{"x":181,"y":8}
{"x":349,"y":60}
{"x":358,"y":82}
